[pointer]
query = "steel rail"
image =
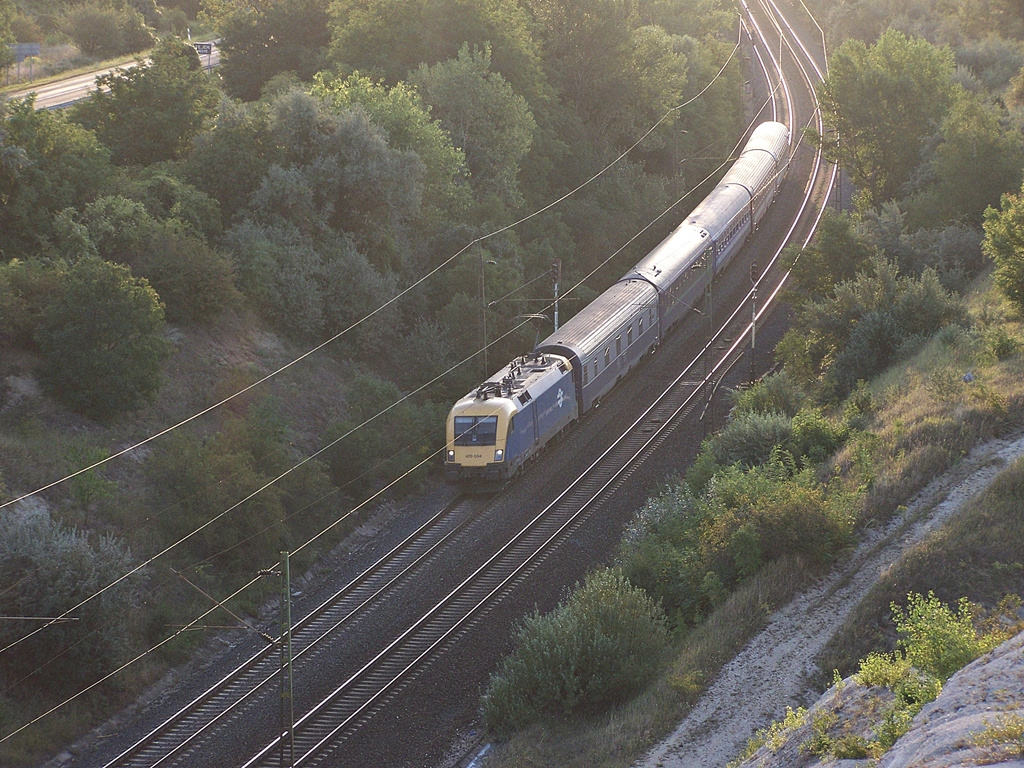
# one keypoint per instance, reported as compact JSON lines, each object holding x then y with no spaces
{"x":180,"y":731}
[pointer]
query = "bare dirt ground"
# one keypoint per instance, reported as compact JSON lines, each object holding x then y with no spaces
{"x":772,"y":672}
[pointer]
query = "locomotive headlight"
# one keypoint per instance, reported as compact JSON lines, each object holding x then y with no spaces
{"x":451,"y":455}
{"x":499,"y":455}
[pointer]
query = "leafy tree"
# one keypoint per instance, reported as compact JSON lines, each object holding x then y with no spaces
{"x":388,"y":39}
{"x":118,"y":229}
{"x":151,"y":112}
{"x":46,"y":164}
{"x":168,"y":197}
{"x":7,"y":15}
{"x":194,"y":281}
{"x":406,"y":121}
{"x":836,"y":254}
{"x":879,"y":104}
{"x":105,"y":360}
{"x":338,"y":172}
{"x":229,"y":162}
{"x":978,"y":160}
{"x":485,"y":117}
{"x":26,"y":288}
{"x":866,"y":324}
{"x":1004,"y":243}
{"x":584,"y":44}
{"x":103,"y":31}
{"x":258,"y":43}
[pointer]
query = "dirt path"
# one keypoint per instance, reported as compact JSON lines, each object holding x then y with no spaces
{"x":772,"y":671}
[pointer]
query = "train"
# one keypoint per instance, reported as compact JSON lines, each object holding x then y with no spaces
{"x":504,"y":422}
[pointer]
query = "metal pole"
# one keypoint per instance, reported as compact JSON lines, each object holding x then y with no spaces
{"x":483,"y":313}
{"x":556,"y":275}
{"x":753,"y":322}
{"x":709,"y":308}
{"x":287,"y":708}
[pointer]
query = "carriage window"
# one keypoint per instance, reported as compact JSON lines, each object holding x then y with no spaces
{"x":607,"y":356}
{"x":585,"y":369}
{"x":476,"y":430}
{"x":641,"y":327}
{"x":629,"y":335}
{"x":618,"y":345}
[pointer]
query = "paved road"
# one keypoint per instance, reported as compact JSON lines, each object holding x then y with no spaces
{"x":65,"y":92}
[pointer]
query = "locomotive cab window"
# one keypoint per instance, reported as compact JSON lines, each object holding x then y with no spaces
{"x":476,"y":430}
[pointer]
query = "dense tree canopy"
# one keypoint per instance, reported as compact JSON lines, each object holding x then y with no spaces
{"x":485,"y":118}
{"x":105,"y":359}
{"x":1004,"y":243}
{"x":879,"y":104}
{"x":151,"y":112}
{"x":46,"y":165}
{"x":259,"y":43}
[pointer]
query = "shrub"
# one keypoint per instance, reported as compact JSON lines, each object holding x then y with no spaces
{"x":195,"y":281}
{"x":937,"y":640}
{"x":777,"y":393}
{"x":55,"y":567}
{"x":598,"y":648}
{"x":26,"y":287}
{"x":815,"y":437}
{"x":107,"y":360}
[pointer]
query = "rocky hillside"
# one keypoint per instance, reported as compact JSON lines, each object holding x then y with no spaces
{"x":978,"y":719}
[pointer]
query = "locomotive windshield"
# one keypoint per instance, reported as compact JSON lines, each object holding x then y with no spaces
{"x":476,"y":430}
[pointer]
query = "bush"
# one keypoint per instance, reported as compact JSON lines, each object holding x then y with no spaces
{"x":777,"y":393}
{"x":195,"y":281}
{"x":107,"y":360}
{"x":55,"y":567}
{"x":936,"y":640}
{"x":26,"y":287}
{"x":598,"y":648}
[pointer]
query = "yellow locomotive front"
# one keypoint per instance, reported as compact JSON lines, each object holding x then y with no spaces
{"x":477,"y":434}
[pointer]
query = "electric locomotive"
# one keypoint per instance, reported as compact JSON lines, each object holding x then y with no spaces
{"x":493,"y":430}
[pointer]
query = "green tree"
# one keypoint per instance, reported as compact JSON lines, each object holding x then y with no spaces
{"x":596,"y":649}
{"x":835,"y":255}
{"x":1004,"y":243}
{"x":46,"y":164}
{"x":102,"y":30}
{"x":485,"y":117}
{"x":229,"y":161}
{"x":388,"y":39}
{"x":151,"y":112}
{"x":406,"y":121}
{"x":258,"y":43}
{"x":7,"y":13}
{"x":879,"y":104}
{"x":978,"y":160}
{"x":101,"y":340}
{"x":54,"y":567}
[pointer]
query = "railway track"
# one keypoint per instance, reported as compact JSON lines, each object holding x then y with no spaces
{"x":182,"y":733}
{"x":325,"y":724}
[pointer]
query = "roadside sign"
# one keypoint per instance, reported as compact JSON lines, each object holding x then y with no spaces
{"x":203,"y":49}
